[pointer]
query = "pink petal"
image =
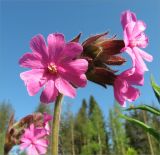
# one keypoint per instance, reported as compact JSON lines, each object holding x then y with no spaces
{"x":139,"y":61}
{"x":131,"y":53}
{"x":71,"y":76}
{"x":33,"y":80}
{"x":139,"y":27}
{"x":47,"y":128}
{"x":38,"y":46}
{"x":25,"y":140}
{"x":117,"y":92}
{"x":41,"y":149}
{"x":65,"y":88}
{"x":133,"y":76}
{"x":127,"y":73}
{"x":47,"y":117}
{"x":78,"y":66}
{"x":32,"y":150}
{"x":77,"y":80}
{"x":127,"y":17}
{"x":132,"y":94}
{"x":142,"y":40}
{"x":136,"y":79}
{"x":40,"y":132}
{"x":49,"y":93}
{"x":145,"y":55}
{"x":32,"y":128}
{"x":24,"y":145}
{"x":73,"y":49}
{"x":31,"y":60}
{"x":128,"y":31}
{"x":126,"y":39}
{"x":42,"y":142}
{"x":56,"y":43}
{"x":27,"y":134}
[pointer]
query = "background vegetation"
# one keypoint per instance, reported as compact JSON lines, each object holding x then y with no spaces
{"x":88,"y":133}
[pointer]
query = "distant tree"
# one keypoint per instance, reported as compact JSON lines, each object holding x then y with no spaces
{"x":85,"y":133}
{"x":67,"y":134}
{"x":81,"y":123}
{"x":5,"y":112}
{"x":138,"y":138}
{"x":155,"y":122}
{"x":99,"y":136}
{"x":117,"y":132}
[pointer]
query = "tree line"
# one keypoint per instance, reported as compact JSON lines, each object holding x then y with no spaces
{"x":88,"y":133}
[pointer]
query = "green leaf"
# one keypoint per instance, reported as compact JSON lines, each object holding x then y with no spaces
{"x":147,"y":128}
{"x":146,"y":108}
{"x":156,"y":88}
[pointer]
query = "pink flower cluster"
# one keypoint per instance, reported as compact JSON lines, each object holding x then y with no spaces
{"x":34,"y":139}
{"x":134,"y":39}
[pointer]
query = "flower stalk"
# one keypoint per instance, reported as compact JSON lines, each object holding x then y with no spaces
{"x":56,"y":124}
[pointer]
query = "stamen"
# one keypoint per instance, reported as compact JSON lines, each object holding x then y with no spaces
{"x":52,"y":68}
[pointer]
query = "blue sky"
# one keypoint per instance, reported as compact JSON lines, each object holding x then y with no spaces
{"x":21,"y":20}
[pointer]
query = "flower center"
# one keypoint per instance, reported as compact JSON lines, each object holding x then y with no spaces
{"x":133,"y":43}
{"x":52,"y":68}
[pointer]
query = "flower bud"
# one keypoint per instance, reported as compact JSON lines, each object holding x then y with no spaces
{"x":101,"y":53}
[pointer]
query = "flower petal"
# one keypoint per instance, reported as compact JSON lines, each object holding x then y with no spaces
{"x":33,"y":80}
{"x":24,"y":145}
{"x":31,"y":150}
{"x":127,"y":73}
{"x":65,"y":88}
{"x":142,"y":40}
{"x":78,"y":66}
{"x":127,"y":17}
{"x":139,"y":27}
{"x":56,"y":43}
{"x":118,"y":93}
{"x":125,"y":38}
{"x":131,"y":53}
{"x":145,"y":55}
{"x":42,"y":142}
{"x":133,"y":76}
{"x":25,"y":140}
{"x":77,"y":80}
{"x":38,"y":46}
{"x":132,"y":94}
{"x":47,"y":117}
{"x":139,"y":62}
{"x":128,"y":31}
{"x":41,"y":149}
{"x":49,"y":93}
{"x":73,"y":49}
{"x":31,"y":60}
{"x":72,"y":75}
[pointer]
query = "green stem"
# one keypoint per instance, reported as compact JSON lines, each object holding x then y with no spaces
{"x":55,"y":125}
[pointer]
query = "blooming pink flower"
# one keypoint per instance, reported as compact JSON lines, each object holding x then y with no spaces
{"x":123,"y":89}
{"x":34,"y":141}
{"x":134,"y":39}
{"x":54,"y":67}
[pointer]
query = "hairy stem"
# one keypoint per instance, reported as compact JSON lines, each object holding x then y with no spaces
{"x":56,"y":124}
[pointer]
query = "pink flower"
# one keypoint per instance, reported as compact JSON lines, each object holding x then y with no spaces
{"x":47,"y":118}
{"x":134,"y":39}
{"x":54,"y":67}
{"x":123,"y":89}
{"x":34,"y":141}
